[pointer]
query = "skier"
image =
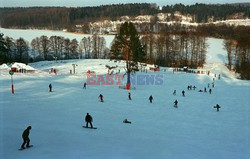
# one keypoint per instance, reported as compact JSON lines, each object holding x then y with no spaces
{"x":26,"y":139}
{"x":183,"y":93}
{"x":129,"y":96}
{"x":126,"y":121}
{"x":174,"y":93}
{"x":219,"y":76}
{"x":175,"y":103}
{"x":213,"y":84}
{"x":217,"y":107}
{"x":205,"y":89}
{"x":101,"y":97}
{"x":88,"y":120}
{"x":208,"y":85}
{"x":150,"y":99}
{"x":210,"y":91}
{"x":194,"y":87}
{"x":84,"y":85}
{"x":50,"y":87}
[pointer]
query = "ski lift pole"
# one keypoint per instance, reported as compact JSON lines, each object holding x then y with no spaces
{"x":12,"y":83}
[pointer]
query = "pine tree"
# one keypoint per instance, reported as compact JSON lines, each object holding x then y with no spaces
{"x":127,"y":46}
{"x":3,"y":50}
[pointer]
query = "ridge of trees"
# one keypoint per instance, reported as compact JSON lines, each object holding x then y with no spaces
{"x":63,"y":17}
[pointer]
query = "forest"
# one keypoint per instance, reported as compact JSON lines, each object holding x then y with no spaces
{"x":63,"y":17}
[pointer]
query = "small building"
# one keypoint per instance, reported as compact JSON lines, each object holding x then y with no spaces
{"x":22,"y":68}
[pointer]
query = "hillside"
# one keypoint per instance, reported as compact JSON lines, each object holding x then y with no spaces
{"x":158,"y":130}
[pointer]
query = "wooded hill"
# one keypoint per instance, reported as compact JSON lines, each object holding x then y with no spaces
{"x":62,"y":17}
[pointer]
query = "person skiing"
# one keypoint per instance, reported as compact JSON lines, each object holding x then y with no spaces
{"x":129,"y":96}
{"x":174,"y":93}
{"x":175,"y":103}
{"x":101,"y":97}
{"x":217,"y":107}
{"x":88,"y":120}
{"x":183,"y":93}
{"x":194,"y":87}
{"x":205,"y":89}
{"x":213,"y":84}
{"x":126,"y":121}
{"x":208,"y":85}
{"x":50,"y":87}
{"x":84,"y":85}
{"x":219,"y":76}
{"x":210,"y":91}
{"x":25,"y":137}
{"x":150,"y":99}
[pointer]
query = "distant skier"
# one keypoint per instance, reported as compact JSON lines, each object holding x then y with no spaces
{"x":174,"y":93}
{"x":219,"y":76}
{"x":175,"y":103}
{"x":150,"y":99}
{"x":183,"y":93}
{"x":194,"y":87}
{"x":84,"y":85}
{"x":26,"y":139}
{"x":129,"y":96}
{"x":205,"y":89}
{"x":50,"y":87}
{"x":126,"y":121}
{"x":213,"y":84}
{"x":210,"y":91}
{"x":88,"y":120}
{"x":101,"y":97}
{"x":208,"y":85}
{"x":217,"y":107}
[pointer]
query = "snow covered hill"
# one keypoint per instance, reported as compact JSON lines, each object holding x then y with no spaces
{"x":158,"y":130}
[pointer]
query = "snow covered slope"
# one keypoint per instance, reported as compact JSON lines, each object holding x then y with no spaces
{"x":158,"y":130}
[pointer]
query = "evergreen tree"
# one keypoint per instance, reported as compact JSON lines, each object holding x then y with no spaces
{"x":127,"y":46}
{"x":3,"y":50}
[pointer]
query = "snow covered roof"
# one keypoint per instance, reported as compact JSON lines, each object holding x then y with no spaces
{"x":22,"y":66}
{"x":4,"y":66}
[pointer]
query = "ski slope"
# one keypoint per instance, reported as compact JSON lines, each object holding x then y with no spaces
{"x":192,"y":131}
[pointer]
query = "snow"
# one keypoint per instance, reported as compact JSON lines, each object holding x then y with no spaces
{"x":236,"y":22}
{"x":30,"y":34}
{"x":4,"y":66}
{"x":23,"y":66}
{"x":158,"y":130}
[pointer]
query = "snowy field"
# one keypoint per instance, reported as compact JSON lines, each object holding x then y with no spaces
{"x":194,"y":130}
{"x":30,"y":34}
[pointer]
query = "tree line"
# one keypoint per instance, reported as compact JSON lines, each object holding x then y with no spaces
{"x":62,"y":17}
{"x":51,"y":48}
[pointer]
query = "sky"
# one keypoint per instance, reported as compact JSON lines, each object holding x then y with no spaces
{"x":82,"y":3}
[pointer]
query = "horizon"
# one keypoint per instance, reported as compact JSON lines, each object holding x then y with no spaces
{"x":83,"y":3}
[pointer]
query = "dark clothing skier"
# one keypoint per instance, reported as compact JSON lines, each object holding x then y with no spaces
{"x":210,"y":91}
{"x":84,"y":85}
{"x":217,"y":107}
{"x":175,"y":103}
{"x":126,"y":121}
{"x":88,"y":120}
{"x":194,"y":87}
{"x":50,"y":87}
{"x":129,"y":96}
{"x":101,"y":97}
{"x":150,"y":99}
{"x":183,"y":93}
{"x":174,"y":93}
{"x":205,"y":89}
{"x":25,"y":137}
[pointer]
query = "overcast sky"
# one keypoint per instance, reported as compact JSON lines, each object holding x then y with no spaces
{"x":82,"y":3}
